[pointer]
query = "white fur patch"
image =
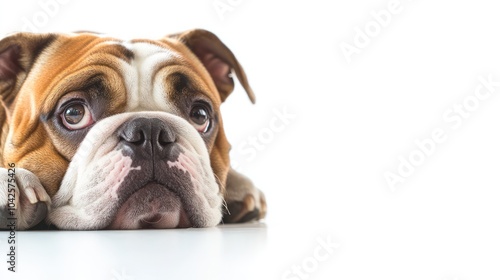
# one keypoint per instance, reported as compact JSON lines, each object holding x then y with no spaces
{"x":145,"y":90}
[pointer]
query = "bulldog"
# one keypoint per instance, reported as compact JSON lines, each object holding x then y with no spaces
{"x":101,"y":133}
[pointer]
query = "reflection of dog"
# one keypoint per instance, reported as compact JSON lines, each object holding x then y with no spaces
{"x":122,"y":135}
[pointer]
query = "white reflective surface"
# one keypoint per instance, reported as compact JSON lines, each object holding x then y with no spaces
{"x":214,"y":253}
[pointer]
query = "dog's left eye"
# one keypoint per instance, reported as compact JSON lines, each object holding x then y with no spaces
{"x":200,"y":117}
{"x":76,"y":116}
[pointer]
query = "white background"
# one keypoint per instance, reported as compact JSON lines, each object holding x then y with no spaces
{"x":323,"y":172}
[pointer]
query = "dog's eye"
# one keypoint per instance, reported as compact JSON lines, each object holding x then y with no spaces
{"x":200,"y":117}
{"x":76,"y":116}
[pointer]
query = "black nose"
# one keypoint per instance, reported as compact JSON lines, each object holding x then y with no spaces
{"x":147,"y":137}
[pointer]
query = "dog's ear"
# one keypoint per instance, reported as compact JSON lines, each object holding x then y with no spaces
{"x":18,"y":52}
{"x":217,"y":59}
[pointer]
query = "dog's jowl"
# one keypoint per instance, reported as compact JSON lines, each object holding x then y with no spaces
{"x":100,"y":133}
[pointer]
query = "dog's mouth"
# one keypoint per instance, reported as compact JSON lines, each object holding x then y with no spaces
{"x":153,"y":206}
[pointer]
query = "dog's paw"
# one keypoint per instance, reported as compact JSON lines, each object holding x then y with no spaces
{"x":244,"y":201}
{"x":22,"y":197}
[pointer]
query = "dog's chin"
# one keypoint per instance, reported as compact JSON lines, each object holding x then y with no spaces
{"x":153,"y":206}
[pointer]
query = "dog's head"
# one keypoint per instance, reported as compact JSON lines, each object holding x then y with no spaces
{"x":120,"y":134}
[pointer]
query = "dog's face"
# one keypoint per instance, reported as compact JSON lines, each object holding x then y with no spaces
{"x":122,"y":135}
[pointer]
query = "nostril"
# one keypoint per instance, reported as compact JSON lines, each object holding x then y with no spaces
{"x":138,"y":139}
{"x":135,"y":137}
{"x":165,"y":137}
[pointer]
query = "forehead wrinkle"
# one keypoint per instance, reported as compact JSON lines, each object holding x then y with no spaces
{"x":193,"y":62}
{"x":195,"y":83}
{"x":143,"y":90}
{"x":116,"y":49}
{"x":71,"y":53}
{"x":67,"y":53}
{"x":79,"y":78}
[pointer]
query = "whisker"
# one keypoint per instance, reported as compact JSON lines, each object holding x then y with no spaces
{"x":224,"y":203}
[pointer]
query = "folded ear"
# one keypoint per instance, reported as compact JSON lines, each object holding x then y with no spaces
{"x":217,"y":59}
{"x":18,"y":52}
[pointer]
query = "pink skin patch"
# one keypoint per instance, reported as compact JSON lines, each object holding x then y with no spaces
{"x":186,"y":164}
{"x":117,"y":169}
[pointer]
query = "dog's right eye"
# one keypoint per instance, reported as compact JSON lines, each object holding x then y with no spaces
{"x":76,"y":116}
{"x":200,"y":118}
